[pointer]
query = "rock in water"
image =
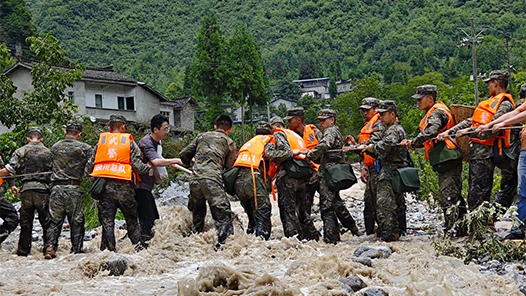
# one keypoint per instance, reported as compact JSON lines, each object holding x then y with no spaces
{"x":355,"y":282}
{"x":373,"y":252}
{"x":115,"y":264}
{"x":375,"y":292}
{"x":363,"y":260}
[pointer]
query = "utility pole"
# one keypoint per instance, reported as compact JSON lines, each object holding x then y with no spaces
{"x":472,"y":40}
{"x":509,"y":65}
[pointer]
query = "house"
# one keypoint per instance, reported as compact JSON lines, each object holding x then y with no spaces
{"x":316,"y":87}
{"x":102,"y":92}
{"x":344,"y":86}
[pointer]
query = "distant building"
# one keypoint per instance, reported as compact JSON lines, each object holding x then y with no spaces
{"x":102,"y":92}
{"x":344,"y":86}
{"x":319,"y":87}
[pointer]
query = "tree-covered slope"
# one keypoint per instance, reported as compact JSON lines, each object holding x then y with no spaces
{"x":155,"y":40}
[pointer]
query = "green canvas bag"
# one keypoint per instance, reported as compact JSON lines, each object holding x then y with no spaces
{"x":501,"y":157}
{"x":97,"y":188}
{"x":298,"y":168}
{"x":443,"y":159}
{"x":340,"y":176}
{"x":229,"y":179}
{"x":405,"y":179}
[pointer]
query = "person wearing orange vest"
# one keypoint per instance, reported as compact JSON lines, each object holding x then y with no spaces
{"x":439,"y":118}
{"x":117,"y":158}
{"x":291,"y":191}
{"x":328,"y":153}
{"x":252,"y":183}
{"x":481,"y":165}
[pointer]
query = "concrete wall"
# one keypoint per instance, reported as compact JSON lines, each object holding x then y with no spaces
{"x":22,"y":80}
{"x":187,"y":118}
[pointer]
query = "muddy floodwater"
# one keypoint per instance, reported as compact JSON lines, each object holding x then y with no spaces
{"x":180,"y":263}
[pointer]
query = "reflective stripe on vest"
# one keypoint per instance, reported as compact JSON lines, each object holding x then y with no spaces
{"x":295,"y":142}
{"x":429,"y":144}
{"x":112,"y":159}
{"x":484,"y":114}
{"x":365,"y":135}
{"x":251,"y":153}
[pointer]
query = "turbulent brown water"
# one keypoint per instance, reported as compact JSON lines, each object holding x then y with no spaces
{"x":180,"y":263}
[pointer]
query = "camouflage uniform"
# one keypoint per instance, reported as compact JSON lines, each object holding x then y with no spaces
{"x":7,"y":210}
{"x":450,"y":182}
{"x":34,"y":193}
{"x":291,"y":193}
{"x":67,"y":196}
{"x":391,"y":206}
{"x":120,"y":194}
{"x":330,"y":200}
{"x":213,"y":152}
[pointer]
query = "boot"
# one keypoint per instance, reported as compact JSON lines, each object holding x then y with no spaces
{"x":50,"y":252}
{"x":355,"y":231}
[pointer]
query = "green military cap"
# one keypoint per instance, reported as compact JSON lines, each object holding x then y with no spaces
{"x":263,"y":125}
{"x":424,"y":90}
{"x":35,"y":129}
{"x":74,"y":125}
{"x":294,"y":112}
{"x":326,"y":113}
{"x":276,"y":119}
{"x":369,"y":103}
{"x":387,"y":105}
{"x":498,"y":75}
{"x":522,"y":92}
{"x":117,"y":118}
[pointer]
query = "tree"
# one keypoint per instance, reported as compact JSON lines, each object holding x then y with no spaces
{"x":15,"y":22}
{"x":333,"y":89}
{"x":287,"y":90}
{"x":208,"y":68}
{"x":247,"y":81}
{"x":174,"y":90}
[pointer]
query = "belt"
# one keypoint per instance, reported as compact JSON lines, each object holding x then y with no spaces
{"x":66,"y":182}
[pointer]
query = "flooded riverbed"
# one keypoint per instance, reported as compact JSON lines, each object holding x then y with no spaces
{"x":180,"y":263}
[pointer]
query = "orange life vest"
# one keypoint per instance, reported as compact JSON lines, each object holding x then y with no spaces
{"x":295,"y":142}
{"x":484,"y":114}
{"x":429,"y":144}
{"x":311,"y":141}
{"x":365,"y":135}
{"x":112,"y":159}
{"x":251,"y":153}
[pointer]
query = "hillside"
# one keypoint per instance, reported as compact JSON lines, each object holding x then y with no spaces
{"x":155,"y":40}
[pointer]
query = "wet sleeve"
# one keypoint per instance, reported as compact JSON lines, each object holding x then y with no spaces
{"x":384,"y":146}
{"x":461,"y":125}
{"x":136,"y":161}
{"x":435,"y":122}
{"x":188,"y":152}
{"x":317,"y":152}
{"x":281,"y":151}
{"x":231,"y":155}
{"x":91,"y":160}
{"x":15,"y":162}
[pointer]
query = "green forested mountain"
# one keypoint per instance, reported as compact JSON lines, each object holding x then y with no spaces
{"x":154,"y":40}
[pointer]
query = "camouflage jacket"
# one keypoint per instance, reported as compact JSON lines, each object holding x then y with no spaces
{"x":435,"y":122}
{"x":477,"y":150}
{"x":386,"y":145}
{"x":28,"y":159}
{"x":69,"y":159}
{"x":329,"y":147}
{"x":213,"y":153}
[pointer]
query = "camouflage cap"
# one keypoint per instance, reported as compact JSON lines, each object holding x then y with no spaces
{"x":424,"y":90}
{"x":293,"y":112}
{"x":74,"y":125}
{"x":369,"y":103}
{"x":522,"y":91}
{"x":35,"y":129}
{"x":263,"y":125}
{"x":387,"y":105}
{"x":326,"y":113}
{"x":498,"y":75}
{"x":276,"y":119}
{"x":117,"y":118}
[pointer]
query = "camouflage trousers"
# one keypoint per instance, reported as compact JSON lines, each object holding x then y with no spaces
{"x":258,"y":217}
{"x":293,"y":210}
{"x":312,"y":186}
{"x":10,"y":216}
{"x":118,"y":195}
{"x":67,"y":201}
{"x":508,"y":184}
{"x":204,"y":190}
{"x":480,"y":181}
{"x":332,"y":209}
{"x":369,"y":200}
{"x":450,"y":193}
{"x":390,"y":209}
{"x":31,"y":201}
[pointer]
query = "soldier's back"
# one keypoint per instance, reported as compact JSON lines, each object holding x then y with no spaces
{"x":69,"y":159}
{"x":212,"y":150}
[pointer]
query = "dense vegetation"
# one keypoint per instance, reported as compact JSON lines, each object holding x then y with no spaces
{"x":155,"y":40}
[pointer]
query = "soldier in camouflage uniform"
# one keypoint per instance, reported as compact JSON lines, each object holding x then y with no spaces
{"x":385,"y":144}
{"x":33,"y":158}
{"x":7,"y":210}
{"x":450,"y":182}
{"x":213,"y":153}
{"x":328,"y":152}
{"x":481,"y":166}
{"x":291,"y":191}
{"x":69,"y":158}
{"x":258,"y":218}
{"x":120,"y":193}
